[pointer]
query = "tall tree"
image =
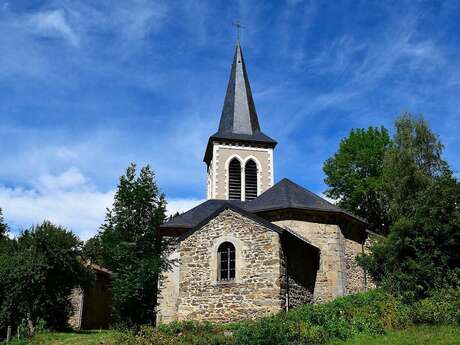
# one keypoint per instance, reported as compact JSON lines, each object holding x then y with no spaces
{"x":38,"y":270}
{"x":354,"y":176}
{"x":414,"y":159}
{"x":422,"y":251}
{"x":129,"y":244}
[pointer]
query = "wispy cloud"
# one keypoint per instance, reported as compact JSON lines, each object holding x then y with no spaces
{"x":68,"y":199}
{"x":53,"y":24}
{"x":90,"y":86}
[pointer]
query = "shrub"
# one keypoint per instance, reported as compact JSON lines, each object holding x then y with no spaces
{"x":443,"y":307}
{"x":38,"y":271}
{"x":371,"y":313}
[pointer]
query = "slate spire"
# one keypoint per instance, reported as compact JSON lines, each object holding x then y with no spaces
{"x":239,"y":122}
{"x":239,"y":114}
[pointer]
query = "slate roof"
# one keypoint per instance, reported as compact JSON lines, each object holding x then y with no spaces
{"x":283,"y":195}
{"x":198,"y":216}
{"x":289,"y":195}
{"x":239,"y":121}
{"x":200,"y":213}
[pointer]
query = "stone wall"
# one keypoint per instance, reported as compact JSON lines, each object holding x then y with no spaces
{"x":76,"y":300}
{"x":328,"y":238}
{"x":298,"y":293}
{"x":302,"y":264}
{"x":355,"y":279}
{"x":168,"y":298}
{"x":338,"y":273}
{"x":258,"y":288}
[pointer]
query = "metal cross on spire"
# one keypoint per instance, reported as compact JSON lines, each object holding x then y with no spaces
{"x":238,"y":26}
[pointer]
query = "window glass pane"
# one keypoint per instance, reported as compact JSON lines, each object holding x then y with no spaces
{"x":226,"y":257}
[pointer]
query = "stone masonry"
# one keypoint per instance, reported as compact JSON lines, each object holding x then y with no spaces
{"x":338,"y":272}
{"x":257,"y":289}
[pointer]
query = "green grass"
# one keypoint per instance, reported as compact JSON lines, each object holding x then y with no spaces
{"x":421,"y":335}
{"x":73,"y":338}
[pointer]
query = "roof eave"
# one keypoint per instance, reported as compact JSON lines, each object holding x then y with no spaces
{"x":208,"y":153}
{"x":337,"y":212}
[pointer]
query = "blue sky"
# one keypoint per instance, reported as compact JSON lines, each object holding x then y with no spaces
{"x":86,"y":87}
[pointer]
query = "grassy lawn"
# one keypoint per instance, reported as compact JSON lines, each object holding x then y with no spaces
{"x":421,"y":335}
{"x":75,"y":338}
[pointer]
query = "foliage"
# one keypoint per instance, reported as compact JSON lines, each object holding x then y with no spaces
{"x":411,"y":163}
{"x":129,"y":245}
{"x":180,"y":333}
{"x":355,"y":176}
{"x":372,"y":313}
{"x":422,"y":251}
{"x":39,"y":269}
{"x":433,"y":335}
{"x":360,"y":316}
{"x":443,"y":307}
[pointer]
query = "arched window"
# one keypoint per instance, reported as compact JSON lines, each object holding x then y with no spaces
{"x":226,"y":261}
{"x":234,"y":180}
{"x":250,"y":180}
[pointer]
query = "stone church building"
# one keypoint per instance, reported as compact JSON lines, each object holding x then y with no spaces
{"x":255,"y":247}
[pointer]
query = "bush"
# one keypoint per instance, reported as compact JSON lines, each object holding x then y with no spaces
{"x":370,"y":313}
{"x":179,"y":333}
{"x":443,"y":307}
{"x":38,"y":271}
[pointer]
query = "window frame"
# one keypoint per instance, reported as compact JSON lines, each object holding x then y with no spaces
{"x":229,"y":249}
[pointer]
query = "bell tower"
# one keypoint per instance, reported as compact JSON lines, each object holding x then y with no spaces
{"x":239,"y":157}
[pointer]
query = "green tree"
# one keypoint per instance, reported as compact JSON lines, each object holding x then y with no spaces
{"x":354,"y":176}
{"x":38,"y":270}
{"x":421,"y":252}
{"x":414,"y":159}
{"x":129,"y":244}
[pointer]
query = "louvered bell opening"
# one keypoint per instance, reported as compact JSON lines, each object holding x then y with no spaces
{"x":251,"y":180}
{"x":234,"y":180}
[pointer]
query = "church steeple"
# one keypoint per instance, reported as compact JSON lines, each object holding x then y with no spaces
{"x":239,"y":121}
{"x":239,"y":156}
{"x":239,"y":112}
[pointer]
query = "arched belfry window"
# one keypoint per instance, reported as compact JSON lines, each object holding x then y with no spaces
{"x":226,"y":261}
{"x":234,"y":180}
{"x":250,"y":177}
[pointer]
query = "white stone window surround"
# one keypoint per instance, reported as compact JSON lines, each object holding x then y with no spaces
{"x":239,"y":260}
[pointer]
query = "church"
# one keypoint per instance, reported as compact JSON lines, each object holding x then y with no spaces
{"x":255,"y":248}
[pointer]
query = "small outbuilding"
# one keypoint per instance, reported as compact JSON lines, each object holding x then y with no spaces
{"x":92,"y":306}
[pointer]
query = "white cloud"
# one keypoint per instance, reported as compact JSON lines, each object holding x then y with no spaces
{"x":53,"y":24}
{"x":68,"y":199}
{"x":181,"y":205}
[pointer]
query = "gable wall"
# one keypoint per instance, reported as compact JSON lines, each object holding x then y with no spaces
{"x":258,"y":288}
